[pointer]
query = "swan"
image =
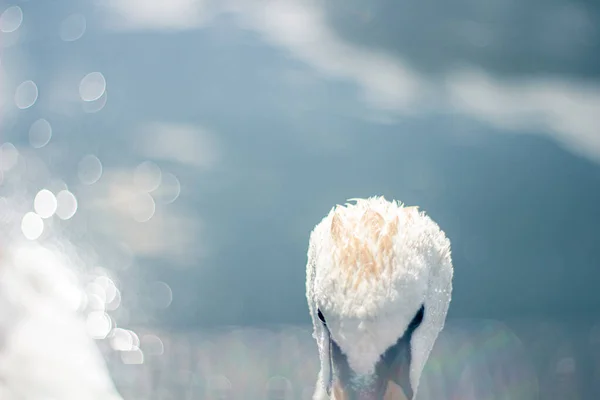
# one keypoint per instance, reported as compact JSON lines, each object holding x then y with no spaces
{"x":378,"y":287}
{"x":45,"y":350}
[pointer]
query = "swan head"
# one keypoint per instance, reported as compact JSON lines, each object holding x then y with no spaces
{"x":378,"y":285}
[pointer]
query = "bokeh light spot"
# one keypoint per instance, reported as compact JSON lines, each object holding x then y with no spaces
{"x":9,"y":156}
{"x":45,"y":203}
{"x":169,"y":188}
{"x":32,"y":226}
{"x":92,"y":86}
{"x":26,"y":94}
{"x":11,"y":19}
{"x":566,"y":366}
{"x":91,"y":107}
{"x":121,"y":340}
{"x":142,"y":207}
{"x":89,"y":169}
{"x":147,"y":176}
{"x":98,"y":324}
{"x":95,"y":302}
{"x":115,"y":302}
{"x":162,"y":295}
{"x":94,"y":289}
{"x":280,"y":388}
{"x":108,"y":287}
{"x":152,"y":345}
{"x":219,"y":387}
{"x":134,"y":356}
{"x":40,"y":133}
{"x":134,"y":338}
{"x":73,"y":27}
{"x":66,"y":204}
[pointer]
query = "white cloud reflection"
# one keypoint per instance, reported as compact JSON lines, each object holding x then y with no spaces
{"x":567,"y":111}
{"x":558,"y":107}
{"x":301,"y":28}
{"x":186,"y":144}
{"x":152,"y":14}
{"x":117,"y":207}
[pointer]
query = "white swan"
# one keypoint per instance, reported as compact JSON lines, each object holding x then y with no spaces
{"x":45,"y":351}
{"x":378,"y":285}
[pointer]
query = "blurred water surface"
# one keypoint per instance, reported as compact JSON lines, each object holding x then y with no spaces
{"x":183,"y":150}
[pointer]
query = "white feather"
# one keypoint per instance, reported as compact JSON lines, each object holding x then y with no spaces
{"x":367,"y":315}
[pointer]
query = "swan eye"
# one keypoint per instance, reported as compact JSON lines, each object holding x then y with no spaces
{"x":417,"y":319}
{"x":321,"y":317}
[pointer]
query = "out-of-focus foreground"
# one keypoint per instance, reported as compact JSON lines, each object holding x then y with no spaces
{"x":473,"y":360}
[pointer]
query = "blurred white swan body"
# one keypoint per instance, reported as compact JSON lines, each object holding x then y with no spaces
{"x":378,"y":285}
{"x":45,"y":351}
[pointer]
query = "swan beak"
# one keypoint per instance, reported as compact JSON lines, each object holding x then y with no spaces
{"x":389,"y":390}
{"x":394,"y":391}
{"x":390,"y":380}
